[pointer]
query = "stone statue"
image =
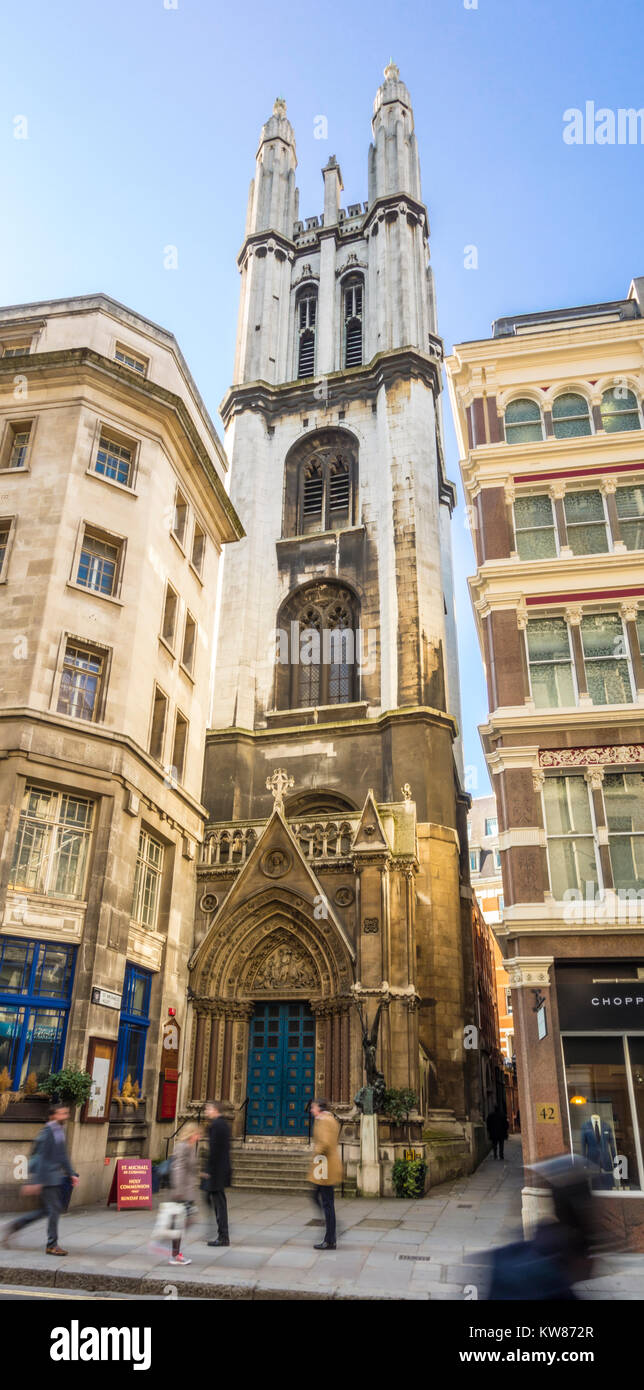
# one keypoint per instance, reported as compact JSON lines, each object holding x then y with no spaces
{"x":370,"y":1098}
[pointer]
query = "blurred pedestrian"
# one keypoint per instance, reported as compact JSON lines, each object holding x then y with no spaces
{"x":497,"y":1128}
{"x":50,"y":1171}
{"x":326,"y":1168}
{"x":184,"y":1182}
{"x":559,"y":1254}
{"x":218,"y":1172}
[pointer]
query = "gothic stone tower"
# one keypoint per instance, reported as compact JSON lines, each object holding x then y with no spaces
{"x":353,"y":883}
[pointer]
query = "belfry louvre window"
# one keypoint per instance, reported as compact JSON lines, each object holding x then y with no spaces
{"x":147,"y":881}
{"x":52,"y":844}
{"x":353,"y":299}
{"x":570,"y":416}
{"x":306,"y":318}
{"x":81,"y":682}
{"x":326,"y":493}
{"x":619,"y":410}
{"x":534,"y":527}
{"x":630,"y":510}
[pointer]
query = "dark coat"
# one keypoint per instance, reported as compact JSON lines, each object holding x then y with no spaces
{"x":218,"y":1170}
{"x":497,"y":1125}
{"x":49,"y":1163}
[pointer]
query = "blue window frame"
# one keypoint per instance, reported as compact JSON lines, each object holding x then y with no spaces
{"x":134,"y":1024}
{"x":36,"y":980}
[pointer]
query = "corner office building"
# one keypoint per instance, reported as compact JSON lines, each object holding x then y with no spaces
{"x":551,"y":431}
{"x":112,"y":517}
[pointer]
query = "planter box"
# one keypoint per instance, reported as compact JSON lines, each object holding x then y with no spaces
{"x":33,"y":1110}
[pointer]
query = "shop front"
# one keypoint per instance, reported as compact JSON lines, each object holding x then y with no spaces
{"x":601,"y":1022}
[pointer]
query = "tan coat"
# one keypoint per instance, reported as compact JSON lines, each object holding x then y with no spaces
{"x":184,"y":1173}
{"x":325,"y":1145}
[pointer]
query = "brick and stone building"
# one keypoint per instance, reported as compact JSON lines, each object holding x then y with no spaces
{"x":487,"y":885}
{"x":113,"y":513}
{"x":550,"y":420}
{"x":334,"y":866}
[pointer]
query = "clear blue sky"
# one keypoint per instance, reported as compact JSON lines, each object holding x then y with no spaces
{"x":142,"y":132}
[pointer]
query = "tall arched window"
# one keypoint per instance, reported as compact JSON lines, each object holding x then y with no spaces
{"x":620,"y":410}
{"x":306,"y":309}
{"x":570,"y":415}
{"x":353,"y":298}
{"x":523,"y":422}
{"x":322,"y":624}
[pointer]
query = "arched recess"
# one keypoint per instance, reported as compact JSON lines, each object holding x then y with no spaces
{"x":319,"y":801}
{"x":321,"y":483}
{"x":270,"y":947}
{"x":318,"y":651}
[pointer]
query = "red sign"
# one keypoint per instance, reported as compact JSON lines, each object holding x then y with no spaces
{"x":131,"y":1184}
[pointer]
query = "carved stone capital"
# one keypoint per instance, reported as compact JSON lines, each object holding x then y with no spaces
{"x":608,"y":486}
{"x":594,"y":776}
{"x":538,"y":779}
{"x":557,"y":490}
{"x":574,"y":614}
{"x":629,"y":611}
{"x":509,"y":491}
{"x":522,"y":615}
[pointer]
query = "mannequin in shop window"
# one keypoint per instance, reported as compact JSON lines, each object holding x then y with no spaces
{"x":598,"y":1146}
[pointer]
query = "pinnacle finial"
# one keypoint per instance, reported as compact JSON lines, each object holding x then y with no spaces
{"x":279,"y":107}
{"x":392,"y":72}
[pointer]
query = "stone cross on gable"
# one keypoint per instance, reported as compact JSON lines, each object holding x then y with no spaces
{"x":279,"y":783}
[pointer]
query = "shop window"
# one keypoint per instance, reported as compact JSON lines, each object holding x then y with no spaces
{"x":52,"y":844}
{"x":606,"y":659}
{"x":133,"y":1025}
{"x":602,"y":1120}
{"x":570,"y":836}
{"x":630,"y":510}
{"x":523,"y":422}
{"x":586,"y":522}
{"x":550,"y":663}
{"x":36,"y":981}
{"x":624,"y":806}
{"x":570,"y":416}
{"x":147,"y":881}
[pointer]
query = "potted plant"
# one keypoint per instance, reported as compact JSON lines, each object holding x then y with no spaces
{"x":408,"y":1177}
{"x":69,"y":1086}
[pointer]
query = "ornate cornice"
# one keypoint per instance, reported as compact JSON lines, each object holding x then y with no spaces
{"x":336,"y":388}
{"x":525,"y":972}
{"x":72,"y":359}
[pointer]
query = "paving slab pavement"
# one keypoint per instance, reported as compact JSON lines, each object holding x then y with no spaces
{"x":387,"y":1249}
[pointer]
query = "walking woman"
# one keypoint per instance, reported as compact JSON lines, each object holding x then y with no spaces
{"x":184,"y":1182}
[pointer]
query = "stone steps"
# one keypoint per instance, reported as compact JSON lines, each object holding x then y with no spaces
{"x":273,"y":1168}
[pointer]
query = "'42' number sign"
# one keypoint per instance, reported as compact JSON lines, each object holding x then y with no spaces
{"x":547,"y":1114}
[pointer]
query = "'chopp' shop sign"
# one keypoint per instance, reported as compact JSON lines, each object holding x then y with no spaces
{"x":606,"y":995}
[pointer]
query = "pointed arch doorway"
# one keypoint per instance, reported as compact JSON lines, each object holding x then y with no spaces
{"x":281,"y":1068}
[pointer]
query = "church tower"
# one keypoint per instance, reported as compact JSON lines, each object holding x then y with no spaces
{"x":333,"y":872}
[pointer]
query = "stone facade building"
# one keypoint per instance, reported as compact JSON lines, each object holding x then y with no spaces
{"x":551,"y":433}
{"x":112,"y":516}
{"x":334,"y":867}
{"x":487,"y":885}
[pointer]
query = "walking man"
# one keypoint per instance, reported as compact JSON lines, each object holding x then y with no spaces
{"x":326,"y":1168}
{"x":497,"y":1128}
{"x":219,"y":1174}
{"x":49,"y":1171}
